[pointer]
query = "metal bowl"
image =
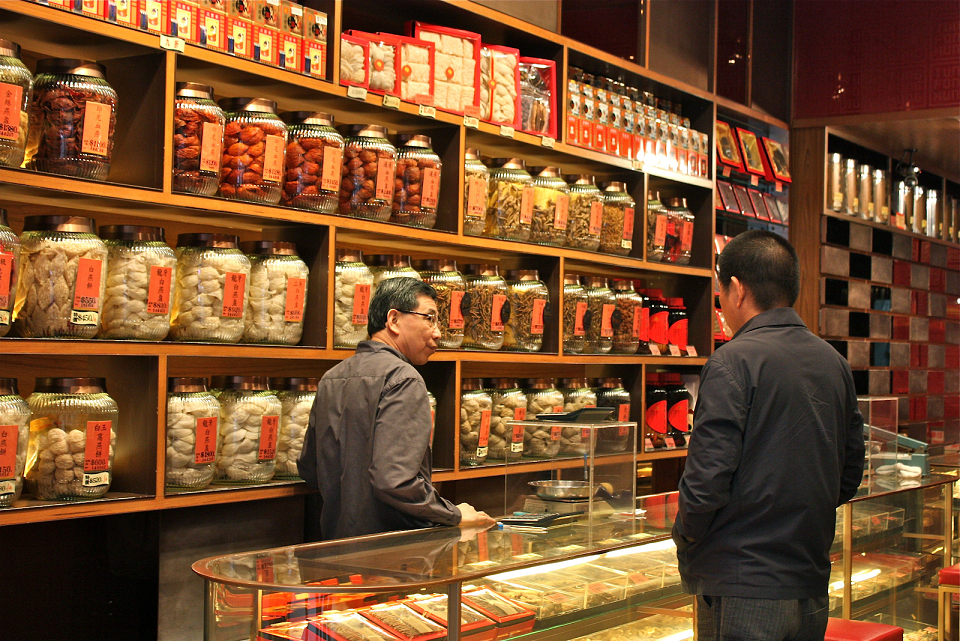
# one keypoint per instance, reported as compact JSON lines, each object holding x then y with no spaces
{"x":561,"y":489}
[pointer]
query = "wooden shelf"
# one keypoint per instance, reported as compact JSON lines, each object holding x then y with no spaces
{"x":751,"y":114}
{"x":885,"y":227}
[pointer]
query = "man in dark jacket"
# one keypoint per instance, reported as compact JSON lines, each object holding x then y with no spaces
{"x":777,"y":446}
{"x":367,"y":448}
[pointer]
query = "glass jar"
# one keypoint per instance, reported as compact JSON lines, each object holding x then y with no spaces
{"x":679,"y":245}
{"x":551,"y":207}
{"x":865,"y":192}
{"x":16,"y":84}
{"x":659,"y":314}
{"x":598,"y":321}
{"x":211,"y":290}
{"x":528,"y":300}
{"x":627,"y":318}
{"x":140,"y":268}
{"x":385,"y":266}
{"x":277,"y":298}
{"x":254,"y":141}
{"x":296,"y":400}
{"x":881,"y":196}
{"x":198,"y":124}
{"x":193,"y":416}
{"x":15,"y":435}
{"x":352,"y":289}
{"x":677,"y":330}
{"x":476,"y":185}
{"x":577,"y":394}
{"x":443,"y":276}
{"x":574,"y":312}
{"x":919,"y":219}
{"x":679,"y":409}
{"x":835,"y":182}
{"x":67,"y":412}
{"x":610,"y":393}
{"x":848,"y":180}
{"x":510,"y":201}
{"x":63,"y":269}
{"x":476,"y":407}
{"x":249,"y":427}
{"x":542,"y":439}
{"x":369,"y":166}
{"x":661,"y":229}
{"x":616,"y":233}
{"x":655,"y":414}
{"x":314,"y":161}
{"x":73,"y":115}
{"x":509,"y":404}
{"x":484,"y":308}
{"x":9,"y":272}
{"x":585,"y":220}
{"x":433,"y":415}
{"x":417,"y":190}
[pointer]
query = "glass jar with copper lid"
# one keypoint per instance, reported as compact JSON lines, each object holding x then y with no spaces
{"x":510,"y":201}
{"x":254,"y":142}
{"x":9,"y":272}
{"x":249,"y":430}
{"x":386,"y":266}
{"x":443,"y":276}
{"x":616,"y":232}
{"x":611,"y":393}
{"x":542,"y":439}
{"x":585,"y":218}
{"x":627,"y":317}
{"x":529,"y":301}
{"x":509,"y":404}
{"x":576,"y":396}
{"x":368,"y":174}
{"x":314,"y":159}
{"x":277,"y":300}
{"x":193,"y":417}
{"x":574,"y":312}
{"x":476,"y":185}
{"x":16,"y":85}
{"x":485,"y":308}
{"x":679,"y":244}
{"x":551,"y":207}
{"x":476,"y":406}
{"x":416,"y":193}
{"x":352,"y":289}
{"x":15,"y":435}
{"x":73,"y":433}
{"x":598,"y":321}
{"x":198,"y":123}
{"x":296,"y":400}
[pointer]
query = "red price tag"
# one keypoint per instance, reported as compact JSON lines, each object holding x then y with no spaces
{"x":158,"y":293}
{"x":12,"y":96}
{"x":660,"y":232}
{"x":330,"y":175}
{"x":606,"y":325}
{"x":431,"y":188}
{"x":211,"y":147}
{"x":96,"y":455}
{"x":496,"y":322}
{"x":235,"y":285}
{"x":526,"y":206}
{"x":754,"y":181}
{"x":536,"y":320}
{"x":96,"y":128}
{"x":456,"y":313}
{"x":86,"y":295}
{"x":555,"y":431}
{"x":386,"y":167}
{"x":273,"y":159}
{"x":563,"y":208}
{"x":656,"y":417}
{"x":269,"y":425}
{"x":476,"y":197}
{"x":578,"y":329}
{"x":206,"y":447}
{"x":628,"y":223}
{"x":520,"y":414}
{"x":361,"y":304}
{"x":9,"y":435}
{"x":484,"y":437}
{"x":6,"y":277}
{"x":623,"y":415}
{"x":596,"y":217}
{"x":518,"y":430}
{"x":726,"y":172}
{"x":686,"y":236}
{"x":296,"y":300}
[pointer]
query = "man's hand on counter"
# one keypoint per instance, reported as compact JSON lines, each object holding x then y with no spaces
{"x":470,"y":516}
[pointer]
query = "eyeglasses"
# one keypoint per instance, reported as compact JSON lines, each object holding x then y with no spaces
{"x":431,"y":318}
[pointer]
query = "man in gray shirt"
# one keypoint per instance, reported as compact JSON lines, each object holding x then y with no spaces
{"x":367,"y":448}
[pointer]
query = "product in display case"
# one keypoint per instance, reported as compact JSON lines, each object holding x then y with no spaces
{"x":918,"y":219}
{"x":296,"y":400}
{"x":577,"y":395}
{"x":384,"y":62}
{"x":551,"y":206}
{"x":193,"y":416}
{"x":616,"y":233}
{"x":416,"y":65}
{"x":254,"y":141}
{"x":346,"y":626}
{"x":574,"y":313}
{"x":443,"y":276}
{"x":835,"y":185}
{"x":598,"y":320}
{"x":728,"y":151}
{"x":727,"y":199}
{"x":249,"y":426}
{"x":198,"y":124}
{"x":485,"y":308}
{"x":417,"y":190}
{"x":456,"y":77}
{"x":354,"y":61}
{"x":404,"y":623}
{"x":499,"y":85}
{"x":849,"y":183}
{"x":352,"y":290}
{"x":752,"y":158}
{"x":473,"y":625}
{"x":542,"y":440}
{"x":14,"y":438}
{"x":776,"y":161}
{"x":743,"y":199}
{"x":756,"y":199}
{"x":9,"y":272}
{"x":277,"y":295}
{"x":538,"y":91}
{"x":476,"y":185}
{"x":369,"y":165}
{"x":16,"y":85}
{"x":509,"y":404}
{"x":510,"y":201}
{"x":313,"y":162}
{"x":476,"y":408}
{"x":511,"y":617}
{"x":528,"y":300}
{"x":585,"y":216}
{"x":772,"y":210}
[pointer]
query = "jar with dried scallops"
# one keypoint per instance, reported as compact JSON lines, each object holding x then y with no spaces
{"x":249,"y":428}
{"x":254,"y":141}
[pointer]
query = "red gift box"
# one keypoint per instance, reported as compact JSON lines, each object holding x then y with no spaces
{"x":365,"y":46}
{"x":406,"y":46}
{"x":503,"y":51}
{"x":548,"y":69}
{"x":290,"y":51}
{"x":266,"y":44}
{"x":239,"y":37}
{"x":212,"y":29}
{"x":518,"y":618}
{"x":434,"y":34}
{"x":372,"y":65}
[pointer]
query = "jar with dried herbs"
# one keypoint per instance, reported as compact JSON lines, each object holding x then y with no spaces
{"x":443,"y":276}
{"x":476,"y":407}
{"x":15,"y":435}
{"x":585,"y":220}
{"x":314,"y":160}
{"x":663,"y":234}
{"x":510,"y":200}
{"x":627,"y":318}
{"x":277,"y":299}
{"x":254,"y":143}
{"x":574,"y":312}
{"x":616,"y":233}
{"x":63,"y":278}
{"x":601,"y":303}
{"x":680,"y":244}
{"x":9,"y":272}
{"x":529,"y":302}
{"x":385,"y":266}
{"x":611,"y":393}
{"x":249,"y":427}
{"x":352,"y":289}
{"x":16,"y":83}
{"x":416,"y":192}
{"x":509,"y":404}
{"x":73,"y":115}
{"x":551,"y":207}
{"x":198,"y":124}
{"x":193,"y":417}
{"x":367,"y":175}
{"x":476,"y":185}
{"x":542,"y":439}
{"x":486,"y":310}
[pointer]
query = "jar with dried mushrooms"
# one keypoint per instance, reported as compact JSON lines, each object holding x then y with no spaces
{"x":211,"y":291}
{"x":198,"y":124}
{"x":368,"y":173}
{"x":551,"y":206}
{"x":314,"y":160}
{"x":485,"y":308}
{"x":476,"y":407}
{"x":476,"y":185}
{"x":528,"y":299}
{"x":510,"y":201}
{"x":193,"y":418}
{"x":627,"y":318}
{"x":16,"y":84}
{"x":417,"y":186}
{"x":14,"y":437}
{"x":542,"y":439}
{"x":63,"y":269}
{"x":9,"y":272}
{"x":249,"y":428}
{"x":585,"y":218}
{"x":509,"y":404}
{"x":254,"y":142}
{"x":598,"y":322}
{"x":277,"y":297}
{"x":616,"y":233}
{"x":443,"y":276}
{"x":296,"y":400}
{"x":574,"y":313}
{"x":352,"y":289}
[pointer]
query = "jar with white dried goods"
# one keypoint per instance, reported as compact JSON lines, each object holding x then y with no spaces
{"x":63,"y":269}
{"x":211,"y":289}
{"x":585,"y":218}
{"x":616,"y":233}
{"x":314,"y":161}
{"x":73,"y":433}
{"x":198,"y":124}
{"x":140,"y":271}
{"x":254,"y":142}
{"x":193,"y":417}
{"x":249,"y":430}
{"x":574,"y":440}
{"x":352,"y":289}
{"x":16,"y":84}
{"x":277,"y":298}
{"x":476,"y":185}
{"x":529,"y":300}
{"x":574,"y":313}
{"x":598,"y":321}
{"x":485,"y":308}
{"x":9,"y":272}
{"x":416,"y":193}
{"x":551,"y":206}
{"x":443,"y":276}
{"x":14,"y":438}
{"x":542,"y":439}
{"x":476,"y":407}
{"x":296,"y":400}
{"x":509,"y":201}
{"x":509,"y":404}
{"x":367,"y":175}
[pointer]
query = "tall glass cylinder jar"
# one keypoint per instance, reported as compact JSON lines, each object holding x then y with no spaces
{"x":367,"y":178}
{"x":193,"y":417}
{"x":443,"y":276}
{"x":416,"y":194}
{"x":198,"y":124}
{"x":9,"y":272}
{"x":574,"y":312}
{"x":476,"y":407}
{"x":509,"y":404}
{"x":610,"y":393}
{"x":73,"y":115}
{"x":865,"y":192}
{"x":616,"y":233}
{"x":484,"y":308}
{"x":140,"y":269}
{"x":254,"y":142}
{"x":314,"y":161}
{"x":352,"y":289}
{"x":16,"y":84}
{"x":277,"y":299}
{"x":918,"y":221}
{"x":542,"y":439}
{"x":601,"y":303}
{"x":249,"y":427}
{"x":296,"y":400}
{"x":476,"y":185}
{"x":510,"y":201}
{"x":585,"y":220}
{"x":15,"y":435}
{"x":529,"y":300}
{"x":63,"y":277}
{"x":72,"y":435}
{"x":848,"y":181}
{"x":881,"y":196}
{"x":835,"y":182}
{"x":211,"y":292}
{"x":627,"y":318}
{"x":551,"y":207}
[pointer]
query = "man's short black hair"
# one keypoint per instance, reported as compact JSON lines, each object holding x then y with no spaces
{"x":395,"y":293}
{"x":766,"y":264}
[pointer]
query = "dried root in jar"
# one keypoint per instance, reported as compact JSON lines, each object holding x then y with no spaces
{"x":504,"y":211}
{"x":580,"y":233}
{"x":524,"y":331}
{"x":478,"y":307}
{"x":611,"y":234}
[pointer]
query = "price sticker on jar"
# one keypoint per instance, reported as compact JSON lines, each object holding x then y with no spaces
{"x":205,"y":450}
{"x":158,"y":291}
{"x":431,"y":187}
{"x":273,"y":159}
{"x":606,"y":321}
{"x":526,"y":206}
{"x":9,"y":436}
{"x":10,"y":117}
{"x":516,"y":442}
{"x":476,"y":197}
{"x":296,"y":300}
{"x":596,"y":217}
{"x":496,"y":313}
{"x":536,"y":318}
{"x":269,"y":425}
{"x":623,"y":415}
{"x":456,"y":310}
{"x":361,"y":304}
{"x":7,"y":268}
{"x":211,"y":148}
{"x":330,"y":175}
{"x":578,"y":325}
{"x":96,"y":453}
{"x":96,"y":128}
{"x":235,"y":285}
{"x":484,"y":437}
{"x":385,"y":179}
{"x":561,"y":211}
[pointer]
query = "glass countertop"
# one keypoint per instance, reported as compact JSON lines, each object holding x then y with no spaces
{"x":878,"y":485}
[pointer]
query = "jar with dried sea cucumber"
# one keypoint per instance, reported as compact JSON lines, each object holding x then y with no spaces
{"x":367,"y":174}
{"x":509,"y":404}
{"x":16,"y":85}
{"x":542,"y":439}
{"x":585,"y":218}
{"x":598,"y":321}
{"x":140,"y":272}
{"x":528,"y":299}
{"x":352,"y":289}
{"x":198,"y":124}
{"x":574,"y":312}
{"x":551,"y":206}
{"x":616,"y":233}
{"x":611,"y":393}
{"x":73,"y":115}
{"x":15,"y":436}
{"x":193,"y":417}
{"x":249,"y":426}
{"x":296,"y":400}
{"x":277,"y":293}
{"x":63,"y":268}
{"x":485,"y":307}
{"x":476,"y":185}
{"x":476,"y":406}
{"x":510,"y":200}
{"x":314,"y":160}
{"x":443,"y":276}
{"x":254,"y":142}
{"x":9,"y":272}
{"x":416,"y":193}
{"x":627,"y":318}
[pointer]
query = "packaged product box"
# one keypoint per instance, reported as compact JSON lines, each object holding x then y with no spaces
{"x":383,"y":62}
{"x":314,"y":43}
{"x":94,"y":8}
{"x":586,"y":123}
{"x":290,"y":52}
{"x":212,"y":29}
{"x":267,"y":13}
{"x":500,"y":85}
{"x":68,"y":5}
{"x":154,"y":16}
{"x":291,"y":18}
{"x":239,"y":37}
{"x":600,"y":126}
{"x":573,"y":112}
{"x":354,"y":61}
{"x":183,"y":20}
{"x":126,"y":13}
{"x":417,"y":60}
{"x":626,"y":134}
{"x":613,"y":130}
{"x":266,"y":41}
{"x":242,"y":9}
{"x":456,"y":86}
{"x":216,"y":5}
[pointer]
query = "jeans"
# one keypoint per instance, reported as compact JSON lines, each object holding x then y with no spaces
{"x":730,"y":618}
